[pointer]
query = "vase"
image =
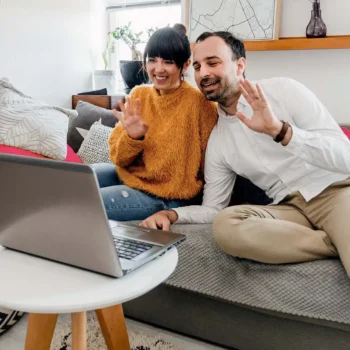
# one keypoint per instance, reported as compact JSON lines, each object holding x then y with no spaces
{"x":105,"y":79}
{"x":316,"y":27}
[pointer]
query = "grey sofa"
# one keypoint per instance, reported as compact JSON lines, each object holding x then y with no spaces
{"x":246,"y":305}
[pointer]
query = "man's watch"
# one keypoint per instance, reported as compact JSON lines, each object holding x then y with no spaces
{"x":283,"y":132}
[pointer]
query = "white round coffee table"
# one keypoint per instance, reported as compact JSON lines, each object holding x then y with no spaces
{"x":45,"y":289}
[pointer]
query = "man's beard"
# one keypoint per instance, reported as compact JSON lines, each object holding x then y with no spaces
{"x":224,"y":94}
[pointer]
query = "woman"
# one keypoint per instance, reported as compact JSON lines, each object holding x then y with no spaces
{"x":159,"y":144}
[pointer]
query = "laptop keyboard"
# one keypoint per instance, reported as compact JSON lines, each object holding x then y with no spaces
{"x":129,"y":249}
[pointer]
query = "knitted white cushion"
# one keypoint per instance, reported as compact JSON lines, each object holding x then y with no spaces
{"x":95,"y":148}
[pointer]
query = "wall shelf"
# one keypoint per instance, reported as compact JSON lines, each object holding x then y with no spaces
{"x":330,"y":42}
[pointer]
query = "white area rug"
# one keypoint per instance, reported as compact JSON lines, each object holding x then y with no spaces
{"x":62,"y":338}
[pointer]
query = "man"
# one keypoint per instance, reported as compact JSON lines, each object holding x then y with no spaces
{"x":278,"y":135}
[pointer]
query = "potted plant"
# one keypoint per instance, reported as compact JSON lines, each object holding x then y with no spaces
{"x":131,"y":70}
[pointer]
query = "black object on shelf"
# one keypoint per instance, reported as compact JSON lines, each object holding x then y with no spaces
{"x":133,"y":74}
{"x":316,"y":27}
{"x":95,"y":92}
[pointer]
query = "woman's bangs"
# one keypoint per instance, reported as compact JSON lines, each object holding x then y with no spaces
{"x":163,"y":49}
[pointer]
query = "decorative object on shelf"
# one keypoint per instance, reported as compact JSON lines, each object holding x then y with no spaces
{"x":133,"y":74}
{"x":316,"y":27}
{"x":132,"y":71}
{"x":105,"y":79}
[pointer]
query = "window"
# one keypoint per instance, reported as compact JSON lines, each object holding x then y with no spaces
{"x":141,"y":18}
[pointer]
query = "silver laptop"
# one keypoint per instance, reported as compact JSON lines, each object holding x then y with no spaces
{"x":54,"y":210}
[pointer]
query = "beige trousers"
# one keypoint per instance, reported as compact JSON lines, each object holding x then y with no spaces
{"x":292,"y":231}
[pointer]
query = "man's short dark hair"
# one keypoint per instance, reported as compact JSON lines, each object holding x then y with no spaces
{"x":236,"y":45}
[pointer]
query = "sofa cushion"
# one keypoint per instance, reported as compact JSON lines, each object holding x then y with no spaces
{"x":87,"y":115}
{"x":95,"y":148}
{"x":71,"y":156}
{"x":8,"y":318}
{"x":318,"y":289}
{"x":245,"y":192}
{"x":32,"y":125}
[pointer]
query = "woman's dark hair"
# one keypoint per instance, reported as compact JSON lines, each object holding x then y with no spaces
{"x":169,"y":43}
{"x":180,"y":27}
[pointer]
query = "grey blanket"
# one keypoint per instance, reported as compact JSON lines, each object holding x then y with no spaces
{"x":319,"y":289}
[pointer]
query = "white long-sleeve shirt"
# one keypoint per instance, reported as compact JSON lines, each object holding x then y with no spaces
{"x":317,"y":155}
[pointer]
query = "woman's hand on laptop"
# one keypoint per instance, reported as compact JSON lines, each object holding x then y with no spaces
{"x":131,"y":119}
{"x":161,"y":220}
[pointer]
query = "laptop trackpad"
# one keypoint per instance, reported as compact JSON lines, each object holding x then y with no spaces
{"x":145,"y":235}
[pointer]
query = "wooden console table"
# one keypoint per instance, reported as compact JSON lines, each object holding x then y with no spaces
{"x":105,"y":101}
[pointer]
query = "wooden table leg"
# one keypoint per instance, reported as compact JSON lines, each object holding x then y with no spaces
{"x":79,"y":335}
{"x":113,"y":327}
{"x":40,"y":331}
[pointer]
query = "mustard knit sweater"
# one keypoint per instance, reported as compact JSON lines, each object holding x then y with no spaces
{"x":169,"y":161}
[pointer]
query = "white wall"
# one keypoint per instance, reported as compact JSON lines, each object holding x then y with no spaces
{"x":45,"y":47}
{"x":325,"y":72}
{"x":296,"y":16}
{"x":98,"y":31}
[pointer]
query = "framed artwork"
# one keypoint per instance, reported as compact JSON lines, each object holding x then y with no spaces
{"x":246,"y":19}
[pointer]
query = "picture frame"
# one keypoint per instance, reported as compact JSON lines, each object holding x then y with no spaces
{"x":246,"y":19}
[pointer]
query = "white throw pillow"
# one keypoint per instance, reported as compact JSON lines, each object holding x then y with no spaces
{"x":32,"y":125}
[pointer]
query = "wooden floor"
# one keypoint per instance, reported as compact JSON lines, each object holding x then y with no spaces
{"x":14,"y":338}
